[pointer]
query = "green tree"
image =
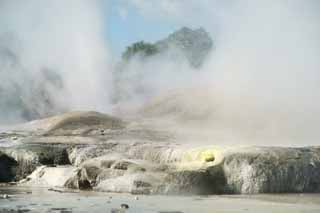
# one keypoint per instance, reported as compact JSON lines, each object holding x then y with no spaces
{"x":142,"y":48}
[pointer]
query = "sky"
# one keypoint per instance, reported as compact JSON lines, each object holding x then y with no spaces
{"x":125,"y":25}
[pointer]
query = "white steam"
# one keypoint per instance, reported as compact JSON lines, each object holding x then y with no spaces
{"x":267,"y":66}
{"x":65,"y":37}
{"x":264,"y":73}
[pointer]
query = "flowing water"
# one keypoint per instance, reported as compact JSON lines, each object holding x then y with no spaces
{"x":41,"y":200}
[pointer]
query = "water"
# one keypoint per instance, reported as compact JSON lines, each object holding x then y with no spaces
{"x":42,"y":200}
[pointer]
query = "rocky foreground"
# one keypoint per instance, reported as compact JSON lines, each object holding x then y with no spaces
{"x":94,"y":151}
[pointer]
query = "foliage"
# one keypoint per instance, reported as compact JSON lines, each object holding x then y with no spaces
{"x":142,"y":48}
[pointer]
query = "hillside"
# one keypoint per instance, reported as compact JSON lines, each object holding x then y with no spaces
{"x":194,"y":45}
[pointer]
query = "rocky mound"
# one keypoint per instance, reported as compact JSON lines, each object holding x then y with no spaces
{"x":76,"y":123}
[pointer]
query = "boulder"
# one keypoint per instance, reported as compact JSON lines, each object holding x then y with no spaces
{"x":45,"y":176}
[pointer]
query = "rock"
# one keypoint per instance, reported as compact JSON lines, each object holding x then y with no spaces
{"x":102,"y":132}
{"x":208,"y":156}
{"x":139,"y":184}
{"x":273,"y":170}
{"x":8,"y":167}
{"x":27,"y":161}
{"x":107,"y":163}
{"x":5,"y":196}
{"x":51,"y":154}
{"x":123,"y":165}
{"x":192,"y":182}
{"x":118,"y":210}
{"x":78,"y":183}
{"x":51,"y":176}
{"x":29,"y":156}
{"x":124,"y":206}
{"x":55,"y":190}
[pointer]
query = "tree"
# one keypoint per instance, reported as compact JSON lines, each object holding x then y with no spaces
{"x":142,"y":48}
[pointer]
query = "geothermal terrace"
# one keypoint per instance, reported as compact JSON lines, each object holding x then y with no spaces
{"x":99,"y":152}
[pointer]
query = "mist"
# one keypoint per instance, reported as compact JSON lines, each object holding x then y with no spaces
{"x":262,"y":80}
{"x":58,"y":44}
{"x":267,"y":67}
{"x":260,"y":84}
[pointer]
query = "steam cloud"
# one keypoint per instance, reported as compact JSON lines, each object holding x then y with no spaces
{"x":267,"y":66}
{"x":264,"y":72}
{"x":63,"y":38}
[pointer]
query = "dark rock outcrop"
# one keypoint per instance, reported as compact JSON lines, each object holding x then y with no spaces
{"x":8,"y":168}
{"x":29,"y":156}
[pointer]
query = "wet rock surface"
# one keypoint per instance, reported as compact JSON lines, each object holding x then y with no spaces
{"x":60,"y":152}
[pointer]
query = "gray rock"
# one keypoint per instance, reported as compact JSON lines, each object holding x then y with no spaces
{"x":273,"y":170}
{"x":193,"y":182}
